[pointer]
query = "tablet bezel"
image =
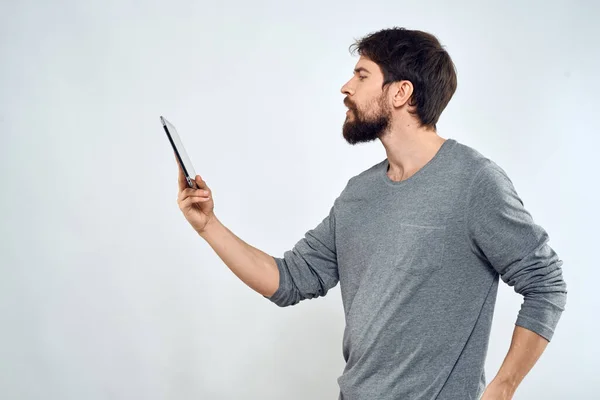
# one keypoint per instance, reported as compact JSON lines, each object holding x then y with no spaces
{"x":188,"y":168}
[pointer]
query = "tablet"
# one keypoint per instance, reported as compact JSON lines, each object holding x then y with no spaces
{"x":184,"y":159}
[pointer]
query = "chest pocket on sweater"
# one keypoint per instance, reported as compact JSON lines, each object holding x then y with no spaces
{"x":420,"y":249}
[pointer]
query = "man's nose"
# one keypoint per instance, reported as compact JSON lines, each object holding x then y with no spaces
{"x":346,"y":89}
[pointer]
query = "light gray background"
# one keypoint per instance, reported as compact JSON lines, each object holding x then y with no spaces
{"x":105,"y":290}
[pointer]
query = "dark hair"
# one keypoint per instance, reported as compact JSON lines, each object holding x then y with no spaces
{"x":418,"y":57}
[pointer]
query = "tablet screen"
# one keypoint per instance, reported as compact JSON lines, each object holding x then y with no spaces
{"x":188,"y":169}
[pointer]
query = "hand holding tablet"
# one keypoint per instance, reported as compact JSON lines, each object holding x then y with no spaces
{"x":194,"y":197}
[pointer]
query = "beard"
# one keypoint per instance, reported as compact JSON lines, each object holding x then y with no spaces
{"x":363,"y":129}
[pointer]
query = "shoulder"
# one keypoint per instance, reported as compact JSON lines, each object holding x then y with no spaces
{"x":362,"y":183}
{"x":368,"y":174}
{"x":478,"y":168}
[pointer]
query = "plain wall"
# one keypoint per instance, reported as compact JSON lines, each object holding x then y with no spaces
{"x":106,"y":292}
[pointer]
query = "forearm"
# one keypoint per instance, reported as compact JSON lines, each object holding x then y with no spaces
{"x":254,"y":267}
{"x":525,"y":349}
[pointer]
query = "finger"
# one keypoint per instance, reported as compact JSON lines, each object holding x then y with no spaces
{"x":201,"y":183}
{"x":181,"y":177}
{"x":189,"y":192}
{"x":193,"y":200}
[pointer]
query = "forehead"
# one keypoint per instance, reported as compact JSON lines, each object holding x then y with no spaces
{"x":364,"y":62}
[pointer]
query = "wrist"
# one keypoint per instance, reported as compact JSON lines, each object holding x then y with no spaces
{"x":210,"y":226}
{"x":506,"y":384}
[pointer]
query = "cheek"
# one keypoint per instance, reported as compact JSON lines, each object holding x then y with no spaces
{"x":370,"y":109}
{"x":370,"y":104}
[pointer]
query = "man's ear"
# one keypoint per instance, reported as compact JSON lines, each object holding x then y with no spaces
{"x":401,"y":93}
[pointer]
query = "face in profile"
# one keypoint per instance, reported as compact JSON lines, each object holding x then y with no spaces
{"x":368,"y":116}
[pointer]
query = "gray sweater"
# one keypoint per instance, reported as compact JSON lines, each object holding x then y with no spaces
{"x":418,"y":263}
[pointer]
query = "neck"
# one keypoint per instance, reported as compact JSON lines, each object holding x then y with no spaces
{"x":409,"y":148}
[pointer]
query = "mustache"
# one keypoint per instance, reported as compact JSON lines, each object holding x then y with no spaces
{"x":349,"y":104}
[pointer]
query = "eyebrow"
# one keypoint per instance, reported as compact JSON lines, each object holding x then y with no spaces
{"x":361,"y":69}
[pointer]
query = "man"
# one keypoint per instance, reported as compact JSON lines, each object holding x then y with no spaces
{"x":417,"y":242}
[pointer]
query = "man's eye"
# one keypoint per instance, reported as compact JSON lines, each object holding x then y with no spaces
{"x":360,"y":78}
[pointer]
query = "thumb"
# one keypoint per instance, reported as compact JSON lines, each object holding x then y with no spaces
{"x":200,"y":182}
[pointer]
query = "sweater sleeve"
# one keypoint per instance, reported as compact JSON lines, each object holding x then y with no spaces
{"x":310,"y":268}
{"x":503,"y":231}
